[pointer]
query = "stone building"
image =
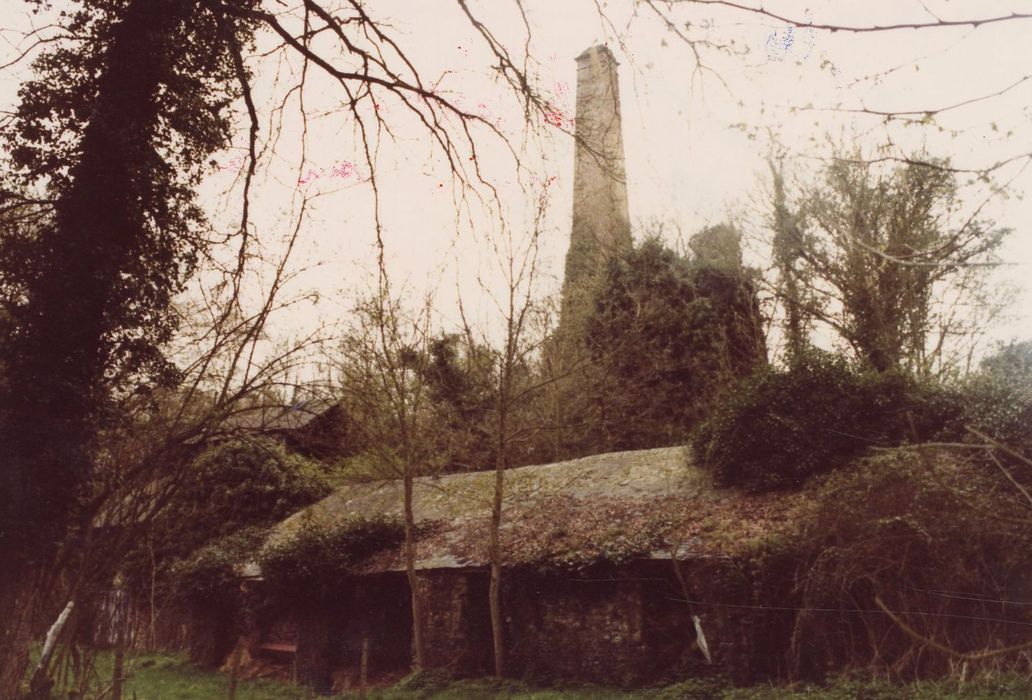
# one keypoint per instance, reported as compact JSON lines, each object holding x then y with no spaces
{"x":619,"y":568}
{"x":612,"y":563}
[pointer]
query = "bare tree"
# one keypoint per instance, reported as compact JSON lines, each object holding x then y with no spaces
{"x":695,"y":24}
{"x":524,"y":328}
{"x":382,"y":369}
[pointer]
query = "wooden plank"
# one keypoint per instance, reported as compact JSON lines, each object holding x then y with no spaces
{"x":280,"y":647}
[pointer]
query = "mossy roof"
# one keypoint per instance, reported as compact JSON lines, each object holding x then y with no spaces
{"x":608,"y":507}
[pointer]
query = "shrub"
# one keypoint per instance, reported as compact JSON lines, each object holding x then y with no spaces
{"x":211,"y":574}
{"x":231,"y":487}
{"x":781,"y":426}
{"x":998,"y":398}
{"x":934,"y":537}
{"x":316,"y":559}
{"x":246,"y":482}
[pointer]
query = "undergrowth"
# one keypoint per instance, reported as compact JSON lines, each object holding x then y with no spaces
{"x":171,"y":677}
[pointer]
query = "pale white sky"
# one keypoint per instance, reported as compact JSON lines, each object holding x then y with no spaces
{"x":687,"y":163}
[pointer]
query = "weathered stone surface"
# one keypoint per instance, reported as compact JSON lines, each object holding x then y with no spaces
{"x":457,"y":621}
{"x":575,"y":628}
{"x":601,"y":223}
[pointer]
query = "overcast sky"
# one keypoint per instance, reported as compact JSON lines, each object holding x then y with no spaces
{"x":694,"y":144}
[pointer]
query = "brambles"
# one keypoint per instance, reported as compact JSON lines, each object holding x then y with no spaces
{"x":782,"y":426}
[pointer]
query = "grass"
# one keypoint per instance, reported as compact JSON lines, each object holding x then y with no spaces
{"x":1001,"y":689}
{"x":168,"y":677}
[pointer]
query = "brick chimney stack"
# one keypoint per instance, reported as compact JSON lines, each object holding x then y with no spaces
{"x":601,"y":225}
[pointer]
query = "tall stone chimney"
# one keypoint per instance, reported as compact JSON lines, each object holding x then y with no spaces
{"x":601,"y":225}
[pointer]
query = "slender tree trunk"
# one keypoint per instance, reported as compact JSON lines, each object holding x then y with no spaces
{"x":17,"y":600}
{"x":494,"y":591}
{"x":501,"y":461}
{"x":418,"y":644}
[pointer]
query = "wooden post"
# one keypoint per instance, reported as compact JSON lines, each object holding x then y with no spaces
{"x":363,"y":667}
{"x":118,"y":673}
{"x":234,"y":663}
{"x":39,"y":684}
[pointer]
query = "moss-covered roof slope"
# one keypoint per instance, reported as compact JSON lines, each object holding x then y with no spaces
{"x":603,"y":508}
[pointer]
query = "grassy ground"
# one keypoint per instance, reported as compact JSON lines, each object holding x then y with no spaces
{"x":167,"y":677}
{"x":164,"y":677}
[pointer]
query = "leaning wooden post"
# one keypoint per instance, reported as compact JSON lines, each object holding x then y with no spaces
{"x":38,"y":685}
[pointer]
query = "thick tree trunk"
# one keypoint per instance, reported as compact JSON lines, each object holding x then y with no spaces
{"x":56,"y":364}
{"x":418,"y":645}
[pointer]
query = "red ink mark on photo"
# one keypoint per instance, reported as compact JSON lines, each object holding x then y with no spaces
{"x":344,"y":170}
{"x":555,"y":117}
{"x":312,"y":175}
{"x":237,"y":164}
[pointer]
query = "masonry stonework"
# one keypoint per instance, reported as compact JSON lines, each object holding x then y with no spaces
{"x":601,"y":223}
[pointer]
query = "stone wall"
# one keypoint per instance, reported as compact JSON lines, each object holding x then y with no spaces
{"x":577,"y":628}
{"x":330,"y":635}
{"x":457,"y":623}
{"x":622,"y":626}
{"x":745,"y":638}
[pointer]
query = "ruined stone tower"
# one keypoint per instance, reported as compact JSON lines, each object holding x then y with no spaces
{"x":601,"y":225}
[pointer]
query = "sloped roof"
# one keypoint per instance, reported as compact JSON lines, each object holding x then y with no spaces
{"x":614,"y":506}
{"x":277,"y":417}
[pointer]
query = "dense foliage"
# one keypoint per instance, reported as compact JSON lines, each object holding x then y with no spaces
{"x":998,"y":396}
{"x":667,"y":334}
{"x":935,"y":537}
{"x":461,"y":384}
{"x":211,"y":574}
{"x":230,"y":490}
{"x":882,"y":255}
{"x":246,"y":482}
{"x":315,"y":561}
{"x":100,"y":232}
{"x":781,"y":426}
